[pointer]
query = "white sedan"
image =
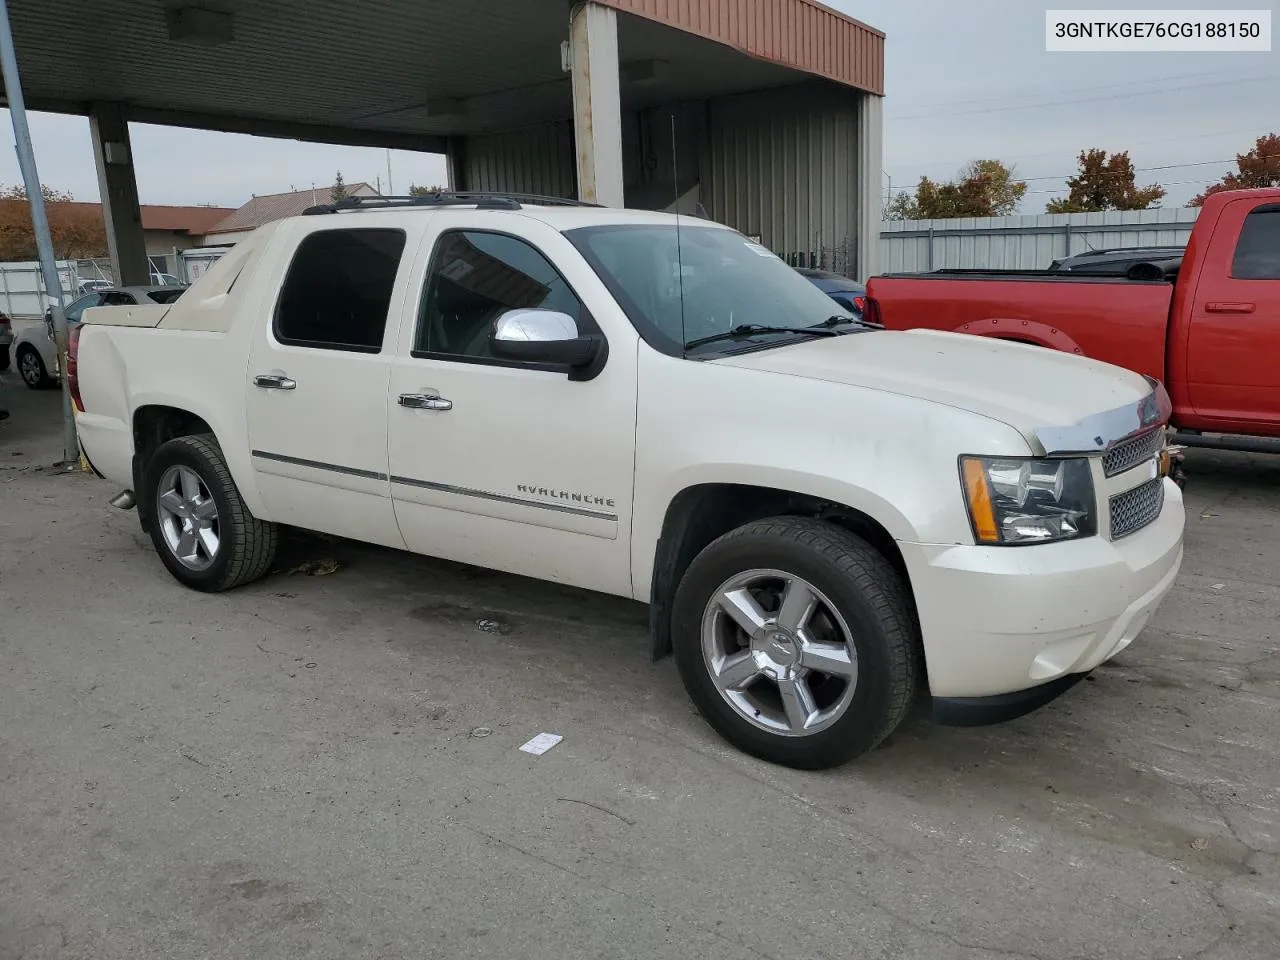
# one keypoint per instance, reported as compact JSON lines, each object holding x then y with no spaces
{"x":34,"y":353}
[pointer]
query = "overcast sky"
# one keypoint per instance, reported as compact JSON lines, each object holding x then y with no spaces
{"x":965,"y":80}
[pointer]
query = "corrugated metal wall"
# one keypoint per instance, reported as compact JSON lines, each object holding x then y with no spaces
{"x":783,"y":164}
{"x":796,"y":33}
{"x":780,"y":164}
{"x":1025,"y":242}
{"x":533,"y":160}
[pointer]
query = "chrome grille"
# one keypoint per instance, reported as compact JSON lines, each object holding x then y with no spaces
{"x":1134,"y":509}
{"x":1129,"y":453}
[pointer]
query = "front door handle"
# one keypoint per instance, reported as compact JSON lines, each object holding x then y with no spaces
{"x":274,"y":381}
{"x":1230,"y":307}
{"x":420,"y":401}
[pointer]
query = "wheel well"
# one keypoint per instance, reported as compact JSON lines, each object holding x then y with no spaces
{"x":154,"y":426}
{"x":699,"y":515}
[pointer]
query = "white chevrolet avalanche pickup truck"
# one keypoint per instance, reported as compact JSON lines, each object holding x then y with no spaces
{"x":824,"y":518}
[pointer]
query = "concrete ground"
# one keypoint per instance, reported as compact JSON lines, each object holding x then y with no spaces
{"x":327,"y":767}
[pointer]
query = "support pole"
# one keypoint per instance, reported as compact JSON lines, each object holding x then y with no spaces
{"x":870,"y":176}
{"x":39,"y":224}
{"x":597,"y":103}
{"x":113,"y":155}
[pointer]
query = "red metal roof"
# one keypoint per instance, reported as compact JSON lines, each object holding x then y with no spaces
{"x":801,"y":34}
{"x":265,"y":208}
{"x":195,"y":221}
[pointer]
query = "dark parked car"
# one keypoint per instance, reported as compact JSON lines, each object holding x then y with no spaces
{"x":848,"y":293}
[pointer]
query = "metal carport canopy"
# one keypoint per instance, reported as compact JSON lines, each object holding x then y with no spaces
{"x":408,"y":73}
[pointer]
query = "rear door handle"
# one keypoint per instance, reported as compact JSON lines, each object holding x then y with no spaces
{"x":274,"y":381}
{"x":1222,"y":307}
{"x":420,"y":401}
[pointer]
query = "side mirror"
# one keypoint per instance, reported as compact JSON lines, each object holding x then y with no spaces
{"x":542,"y":336}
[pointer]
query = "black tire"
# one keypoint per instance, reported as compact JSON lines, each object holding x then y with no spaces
{"x":247,"y":545}
{"x":866,"y":591}
{"x":32,"y":369}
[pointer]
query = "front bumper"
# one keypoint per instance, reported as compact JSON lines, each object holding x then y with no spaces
{"x":1001,"y":620}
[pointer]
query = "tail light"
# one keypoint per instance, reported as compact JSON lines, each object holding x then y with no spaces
{"x":871,"y":312}
{"x":73,"y":372}
{"x":860,"y":303}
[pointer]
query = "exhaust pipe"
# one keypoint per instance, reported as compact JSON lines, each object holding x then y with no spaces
{"x":124,"y":500}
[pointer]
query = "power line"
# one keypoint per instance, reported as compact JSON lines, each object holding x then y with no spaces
{"x":1063,"y":103}
{"x":1140,"y":143}
{"x":1171,"y":183}
{"x":1061,"y":90}
{"x":1126,"y":173}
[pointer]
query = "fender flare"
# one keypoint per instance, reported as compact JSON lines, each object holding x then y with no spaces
{"x":1033,"y":332}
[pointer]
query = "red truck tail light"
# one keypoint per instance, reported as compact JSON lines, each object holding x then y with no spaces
{"x":871,"y":312}
{"x":73,"y":378}
{"x":861,"y":304}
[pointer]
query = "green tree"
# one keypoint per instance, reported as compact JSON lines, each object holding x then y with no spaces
{"x":1105,"y":183}
{"x":339,"y":189}
{"x":417,"y":191}
{"x":984,"y":188}
{"x":1259,"y":167}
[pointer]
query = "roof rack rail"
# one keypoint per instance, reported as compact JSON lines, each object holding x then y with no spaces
{"x":445,"y":198}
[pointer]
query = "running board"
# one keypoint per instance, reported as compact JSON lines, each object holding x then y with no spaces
{"x":1225,"y":441}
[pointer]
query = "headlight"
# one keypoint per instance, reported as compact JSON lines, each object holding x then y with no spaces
{"x":1012,"y":500}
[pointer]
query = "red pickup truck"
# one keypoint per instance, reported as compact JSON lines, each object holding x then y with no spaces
{"x":1206,"y":324}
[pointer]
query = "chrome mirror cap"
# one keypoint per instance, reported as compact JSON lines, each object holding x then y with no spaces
{"x":528,"y":325}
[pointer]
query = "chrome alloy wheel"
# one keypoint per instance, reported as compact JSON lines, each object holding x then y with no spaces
{"x":188,"y":517}
{"x":30,"y":368}
{"x":779,"y":652}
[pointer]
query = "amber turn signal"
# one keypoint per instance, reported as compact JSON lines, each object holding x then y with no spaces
{"x":981,"y":510}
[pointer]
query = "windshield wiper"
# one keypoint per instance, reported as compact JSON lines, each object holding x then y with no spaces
{"x":750,"y":329}
{"x":837,"y":320}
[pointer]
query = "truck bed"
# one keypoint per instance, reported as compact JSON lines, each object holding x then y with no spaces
{"x":1111,"y":318}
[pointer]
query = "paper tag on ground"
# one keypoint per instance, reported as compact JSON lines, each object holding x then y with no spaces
{"x":541,"y":743}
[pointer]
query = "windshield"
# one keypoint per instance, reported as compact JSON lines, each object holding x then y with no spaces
{"x":681,"y":288}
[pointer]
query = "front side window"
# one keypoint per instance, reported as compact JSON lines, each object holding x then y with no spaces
{"x":683,"y":285}
{"x":1257,"y":254}
{"x":337,"y":292}
{"x":475,"y":277}
{"x":76,"y":310}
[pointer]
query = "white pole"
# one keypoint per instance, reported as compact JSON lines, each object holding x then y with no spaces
{"x":39,"y":224}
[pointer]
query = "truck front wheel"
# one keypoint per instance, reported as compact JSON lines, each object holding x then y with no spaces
{"x":200,"y":526}
{"x":796,"y":641}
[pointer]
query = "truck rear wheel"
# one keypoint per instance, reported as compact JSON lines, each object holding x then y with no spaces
{"x":200,"y":526}
{"x":796,"y":641}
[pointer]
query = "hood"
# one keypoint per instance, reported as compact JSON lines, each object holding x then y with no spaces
{"x":1027,"y":387}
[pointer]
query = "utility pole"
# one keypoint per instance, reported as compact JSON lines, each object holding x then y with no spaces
{"x":391,"y":191}
{"x":39,"y":224}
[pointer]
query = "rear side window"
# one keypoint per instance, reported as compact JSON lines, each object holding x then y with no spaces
{"x":337,"y":292}
{"x":1258,"y":249}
